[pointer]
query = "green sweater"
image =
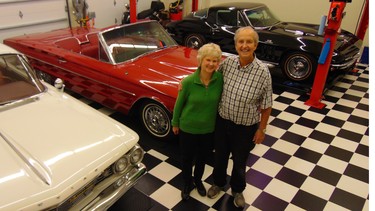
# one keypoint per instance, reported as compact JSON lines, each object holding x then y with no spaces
{"x":196,"y":105}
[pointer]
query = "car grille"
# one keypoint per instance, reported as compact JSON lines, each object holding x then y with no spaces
{"x":83,"y":192}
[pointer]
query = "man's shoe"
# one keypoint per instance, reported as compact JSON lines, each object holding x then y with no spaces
{"x":200,"y":188}
{"x":185,"y":193}
{"x":214,"y":191}
{"x":239,"y":200}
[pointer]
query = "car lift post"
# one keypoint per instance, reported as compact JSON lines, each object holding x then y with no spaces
{"x":363,"y":24}
{"x":335,"y":15}
{"x":194,"y":5}
{"x":133,"y":11}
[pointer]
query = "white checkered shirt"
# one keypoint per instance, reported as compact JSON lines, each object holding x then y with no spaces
{"x":246,"y":90}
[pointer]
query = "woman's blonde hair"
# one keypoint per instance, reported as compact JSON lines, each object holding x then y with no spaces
{"x":209,"y":49}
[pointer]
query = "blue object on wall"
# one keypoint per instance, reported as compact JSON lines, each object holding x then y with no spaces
{"x":365,"y":56}
{"x":325,"y":50}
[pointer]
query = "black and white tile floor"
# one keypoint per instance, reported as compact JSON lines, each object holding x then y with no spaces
{"x":312,"y":159}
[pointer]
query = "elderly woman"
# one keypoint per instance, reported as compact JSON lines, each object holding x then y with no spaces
{"x":194,"y":117}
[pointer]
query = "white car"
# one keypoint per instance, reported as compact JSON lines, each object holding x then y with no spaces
{"x":56,"y":152}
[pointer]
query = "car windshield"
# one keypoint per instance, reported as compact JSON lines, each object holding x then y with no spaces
{"x":132,"y":40}
{"x":17,"y":79}
{"x":261,"y":17}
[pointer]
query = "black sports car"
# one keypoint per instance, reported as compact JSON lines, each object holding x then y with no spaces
{"x":293,"y":47}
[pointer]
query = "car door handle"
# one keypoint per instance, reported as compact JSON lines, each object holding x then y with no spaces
{"x":62,"y":61}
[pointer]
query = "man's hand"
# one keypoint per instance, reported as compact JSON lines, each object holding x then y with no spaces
{"x":259,"y":137}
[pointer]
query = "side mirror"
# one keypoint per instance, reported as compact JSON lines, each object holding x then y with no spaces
{"x":59,"y":84}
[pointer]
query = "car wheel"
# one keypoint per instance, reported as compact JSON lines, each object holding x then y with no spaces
{"x":298,"y":66}
{"x":194,"y":41}
{"x":156,"y":120}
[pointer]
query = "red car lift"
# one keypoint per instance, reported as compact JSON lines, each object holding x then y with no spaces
{"x":331,"y":31}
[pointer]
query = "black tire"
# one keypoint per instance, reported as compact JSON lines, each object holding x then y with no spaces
{"x":194,"y":41}
{"x":299,"y":66}
{"x":156,"y":120}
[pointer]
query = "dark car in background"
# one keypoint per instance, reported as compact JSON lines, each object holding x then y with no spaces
{"x":293,"y":47}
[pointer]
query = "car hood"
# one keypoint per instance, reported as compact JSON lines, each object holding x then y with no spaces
{"x":299,"y":28}
{"x":346,"y":43}
{"x":52,"y":145}
{"x":174,"y":63}
{"x":163,"y":70}
{"x":305,"y":29}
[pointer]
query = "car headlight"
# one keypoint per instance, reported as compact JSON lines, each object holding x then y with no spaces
{"x":136,"y":155}
{"x":121,"y":165}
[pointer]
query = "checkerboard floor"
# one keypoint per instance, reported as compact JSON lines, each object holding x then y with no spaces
{"x":312,"y":159}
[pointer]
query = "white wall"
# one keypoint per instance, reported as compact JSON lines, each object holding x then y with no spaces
{"x":45,"y":15}
{"x":107,"y":12}
{"x":19,"y":17}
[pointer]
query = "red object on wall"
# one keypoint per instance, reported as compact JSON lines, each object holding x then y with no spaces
{"x":176,"y":16}
{"x":133,"y":11}
{"x":334,"y":21}
{"x":363,"y":25}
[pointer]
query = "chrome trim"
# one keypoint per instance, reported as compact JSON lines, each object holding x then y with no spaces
{"x":108,"y":197}
{"x":20,"y":101}
{"x":348,"y":63}
{"x":84,"y":76}
{"x":270,"y":64}
{"x":135,"y":148}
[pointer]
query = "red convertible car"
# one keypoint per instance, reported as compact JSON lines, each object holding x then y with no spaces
{"x":133,"y":68}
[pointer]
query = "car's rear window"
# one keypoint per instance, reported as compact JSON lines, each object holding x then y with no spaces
{"x":201,"y":13}
{"x":227,"y":17}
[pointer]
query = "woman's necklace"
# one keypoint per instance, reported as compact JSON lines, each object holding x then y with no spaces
{"x":205,"y":78}
{"x":205,"y":82}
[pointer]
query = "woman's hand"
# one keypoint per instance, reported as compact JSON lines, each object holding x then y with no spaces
{"x":176,"y":130}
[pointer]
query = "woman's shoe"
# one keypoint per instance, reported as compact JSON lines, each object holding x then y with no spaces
{"x":185,"y":193}
{"x":200,"y":188}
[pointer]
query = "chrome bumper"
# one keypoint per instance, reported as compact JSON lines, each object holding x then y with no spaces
{"x":106,"y":197}
{"x":347,"y":64}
